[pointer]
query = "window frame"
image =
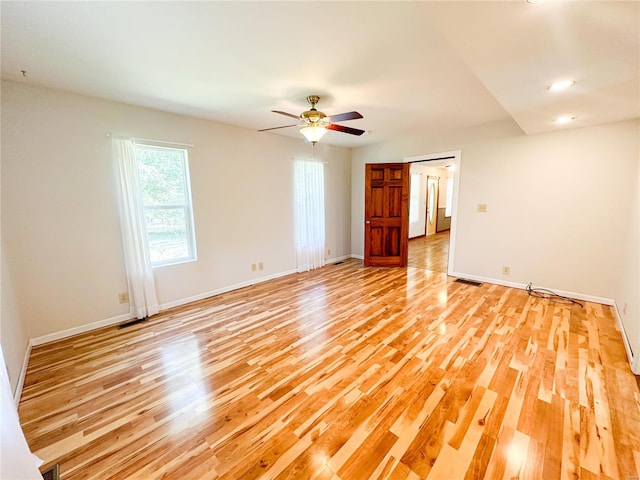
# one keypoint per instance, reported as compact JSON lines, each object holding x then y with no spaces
{"x":187,"y":207}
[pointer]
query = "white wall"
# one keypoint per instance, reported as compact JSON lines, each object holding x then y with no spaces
{"x":13,"y":335}
{"x":411,"y":145}
{"x":628,"y":289}
{"x":16,"y":460}
{"x":560,"y":207}
{"x":60,"y":226}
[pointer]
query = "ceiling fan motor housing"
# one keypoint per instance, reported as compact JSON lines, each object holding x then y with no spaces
{"x":313,"y":116}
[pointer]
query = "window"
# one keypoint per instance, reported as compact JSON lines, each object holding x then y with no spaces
{"x":163,"y":176}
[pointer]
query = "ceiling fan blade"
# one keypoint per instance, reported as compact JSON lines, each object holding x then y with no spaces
{"x":343,"y":129}
{"x":341,"y":117}
{"x":287,"y":114}
{"x":276,"y":128}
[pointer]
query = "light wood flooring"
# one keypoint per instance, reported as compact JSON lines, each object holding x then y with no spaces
{"x":430,"y":252}
{"x":342,"y":373}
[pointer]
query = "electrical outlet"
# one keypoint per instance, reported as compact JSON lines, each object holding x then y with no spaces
{"x":624,"y":308}
{"x":260,"y":266}
{"x":482,"y":208}
{"x":123,"y":297}
{"x":253,"y":267}
{"x":328,"y":251}
{"x":506,"y":270}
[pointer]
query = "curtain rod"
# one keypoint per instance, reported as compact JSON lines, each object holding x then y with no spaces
{"x":137,"y":139}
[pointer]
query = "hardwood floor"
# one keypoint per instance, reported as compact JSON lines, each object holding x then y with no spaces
{"x":430,"y":252}
{"x":342,"y":373}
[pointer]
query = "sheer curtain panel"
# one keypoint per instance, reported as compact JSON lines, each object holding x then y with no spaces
{"x":142,"y":290}
{"x":309,"y":214}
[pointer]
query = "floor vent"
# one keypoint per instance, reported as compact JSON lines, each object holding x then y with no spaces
{"x":131,"y":323}
{"x":52,"y":473}
{"x":338,"y":263}
{"x":468,"y":282}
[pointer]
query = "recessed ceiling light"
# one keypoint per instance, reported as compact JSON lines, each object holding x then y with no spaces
{"x":561,"y":85}
{"x":563,"y":120}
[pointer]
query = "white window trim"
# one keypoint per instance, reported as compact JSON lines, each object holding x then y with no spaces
{"x":188,"y":207}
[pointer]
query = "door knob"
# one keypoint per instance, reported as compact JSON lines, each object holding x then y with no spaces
{"x":367,"y":222}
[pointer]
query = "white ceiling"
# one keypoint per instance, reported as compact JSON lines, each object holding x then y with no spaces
{"x":405,"y":66}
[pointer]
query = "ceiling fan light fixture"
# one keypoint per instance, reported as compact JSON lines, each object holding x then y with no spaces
{"x":313,"y":133}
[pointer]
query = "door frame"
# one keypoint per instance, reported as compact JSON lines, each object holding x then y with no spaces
{"x":453,"y":157}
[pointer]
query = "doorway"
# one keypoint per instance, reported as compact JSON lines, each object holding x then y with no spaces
{"x":433,"y":201}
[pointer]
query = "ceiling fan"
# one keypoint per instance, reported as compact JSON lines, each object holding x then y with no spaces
{"x":315,"y":123}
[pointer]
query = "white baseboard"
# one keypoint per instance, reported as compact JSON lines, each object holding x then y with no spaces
{"x":329,"y":261}
{"x":522,"y":286}
{"x":359,"y":257}
{"x":23,"y":373}
{"x":121,"y":318}
{"x":200,"y":296}
{"x":633,"y":359}
{"x":124,"y":317}
{"x":51,"y":337}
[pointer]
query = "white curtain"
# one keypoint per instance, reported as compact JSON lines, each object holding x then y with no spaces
{"x":142,"y":290}
{"x":309,"y":214}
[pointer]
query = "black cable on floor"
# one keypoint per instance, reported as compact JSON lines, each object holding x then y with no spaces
{"x":551,"y":296}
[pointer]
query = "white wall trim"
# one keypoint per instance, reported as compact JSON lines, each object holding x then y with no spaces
{"x":51,"y":337}
{"x":70,"y":332}
{"x":329,"y":261}
{"x":633,"y":361}
{"x":218,"y":291}
{"x":359,"y":257}
{"x":121,"y":318}
{"x":523,"y":286}
{"x":23,"y":373}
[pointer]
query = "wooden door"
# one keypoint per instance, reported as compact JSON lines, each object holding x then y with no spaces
{"x":433,"y":195}
{"x":386,"y":214}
